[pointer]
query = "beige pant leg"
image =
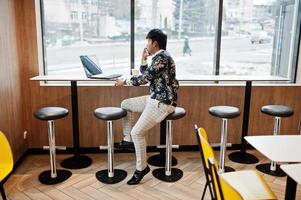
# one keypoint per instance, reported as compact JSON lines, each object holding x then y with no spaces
{"x":153,"y":114}
{"x":136,"y":104}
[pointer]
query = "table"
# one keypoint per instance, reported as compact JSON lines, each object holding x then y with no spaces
{"x":293,"y":172}
{"x":278,"y":148}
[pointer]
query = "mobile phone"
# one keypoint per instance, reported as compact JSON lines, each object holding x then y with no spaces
{"x":147,"y":50}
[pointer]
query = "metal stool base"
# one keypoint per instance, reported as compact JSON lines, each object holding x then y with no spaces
{"x":228,"y":169}
{"x":244,"y":158}
{"x":76,"y":162}
{"x":62,"y":175}
{"x":159,"y":160}
{"x":103,"y":176}
{"x":265,"y":168}
{"x":176,"y":174}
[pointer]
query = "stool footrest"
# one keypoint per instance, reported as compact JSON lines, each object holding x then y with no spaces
{"x":56,"y":147}
{"x":219,"y":144}
{"x":103,"y":147}
{"x":163,"y":146}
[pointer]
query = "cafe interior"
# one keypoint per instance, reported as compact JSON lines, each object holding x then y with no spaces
{"x":214,"y":113}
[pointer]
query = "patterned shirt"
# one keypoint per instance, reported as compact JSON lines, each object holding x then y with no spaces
{"x":161,"y":75}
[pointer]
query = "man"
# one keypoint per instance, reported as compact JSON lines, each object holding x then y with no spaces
{"x":186,"y":48}
{"x":155,"y":107}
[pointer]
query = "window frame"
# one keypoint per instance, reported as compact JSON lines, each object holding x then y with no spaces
{"x":292,"y":74}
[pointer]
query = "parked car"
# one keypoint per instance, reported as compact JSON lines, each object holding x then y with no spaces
{"x":120,"y":37}
{"x":260,"y":37}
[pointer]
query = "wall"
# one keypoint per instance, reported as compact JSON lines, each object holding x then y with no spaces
{"x":11,"y":103}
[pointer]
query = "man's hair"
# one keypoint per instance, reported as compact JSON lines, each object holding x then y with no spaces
{"x":159,"y":36}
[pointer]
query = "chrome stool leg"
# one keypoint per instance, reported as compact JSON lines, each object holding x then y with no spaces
{"x":224,"y":132}
{"x":53,"y":176}
{"x":272,"y":168}
{"x":168,"y":174}
{"x":110,"y":175}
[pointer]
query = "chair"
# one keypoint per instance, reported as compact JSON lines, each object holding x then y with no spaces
{"x":200,"y":132}
{"x":110,"y":114}
{"x":225,"y":113}
{"x":232,"y":185}
{"x":278,"y":112}
{"x":6,"y":162}
{"x":169,"y":173}
{"x":54,"y":175}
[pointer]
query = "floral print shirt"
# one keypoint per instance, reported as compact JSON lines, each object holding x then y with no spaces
{"x":161,"y":75}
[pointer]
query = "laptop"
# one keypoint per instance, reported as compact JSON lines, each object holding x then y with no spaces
{"x":93,"y":70}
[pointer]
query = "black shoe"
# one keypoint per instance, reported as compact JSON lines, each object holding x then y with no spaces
{"x":125,"y":145}
{"x":138,"y":175}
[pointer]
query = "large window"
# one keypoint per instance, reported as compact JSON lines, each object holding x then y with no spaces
{"x":251,"y":37}
{"x":86,"y":27}
{"x":256,"y":37}
{"x":190,"y":26}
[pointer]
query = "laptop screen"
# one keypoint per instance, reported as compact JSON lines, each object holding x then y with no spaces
{"x":90,"y":66}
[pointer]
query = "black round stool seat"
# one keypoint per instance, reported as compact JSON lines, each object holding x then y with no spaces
{"x":51,"y":113}
{"x":277,"y":110}
{"x":177,"y":114}
{"x":110,"y":113}
{"x":227,"y":112}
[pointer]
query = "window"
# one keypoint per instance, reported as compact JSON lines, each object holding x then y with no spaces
{"x":190,"y":28}
{"x":258,"y":37}
{"x":74,"y":28}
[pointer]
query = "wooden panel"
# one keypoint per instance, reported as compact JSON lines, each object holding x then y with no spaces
{"x":11,"y":120}
{"x":284,"y":95}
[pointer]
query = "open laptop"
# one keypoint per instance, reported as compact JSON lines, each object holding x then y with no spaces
{"x":93,"y":70}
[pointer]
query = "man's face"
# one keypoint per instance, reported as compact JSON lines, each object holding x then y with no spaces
{"x":151,"y":46}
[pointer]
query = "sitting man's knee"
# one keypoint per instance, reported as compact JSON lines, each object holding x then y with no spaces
{"x":124,"y":104}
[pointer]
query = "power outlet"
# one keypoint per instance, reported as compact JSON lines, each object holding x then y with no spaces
{"x":25,"y":135}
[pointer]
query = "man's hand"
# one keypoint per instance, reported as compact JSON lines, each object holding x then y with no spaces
{"x":119,"y":82}
{"x":145,"y":54}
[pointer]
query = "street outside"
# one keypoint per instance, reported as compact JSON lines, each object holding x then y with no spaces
{"x":238,"y":57}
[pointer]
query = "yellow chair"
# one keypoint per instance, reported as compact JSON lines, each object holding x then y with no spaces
{"x":232,"y":185}
{"x":6,"y":162}
{"x":200,"y":132}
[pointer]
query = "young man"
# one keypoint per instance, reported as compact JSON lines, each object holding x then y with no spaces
{"x":155,"y":107}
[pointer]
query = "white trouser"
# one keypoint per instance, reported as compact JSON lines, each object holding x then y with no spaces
{"x":153,"y":112}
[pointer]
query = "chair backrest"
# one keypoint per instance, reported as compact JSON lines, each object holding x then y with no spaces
{"x":205,"y":148}
{"x":222,"y":190}
{"x":6,"y":156}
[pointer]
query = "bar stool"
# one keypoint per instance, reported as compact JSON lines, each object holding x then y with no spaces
{"x":278,"y":111}
{"x":169,"y":174}
{"x":50,"y":114}
{"x":110,"y":175}
{"x":224,"y":112}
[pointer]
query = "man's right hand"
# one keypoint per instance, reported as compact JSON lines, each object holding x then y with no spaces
{"x":145,"y":54}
